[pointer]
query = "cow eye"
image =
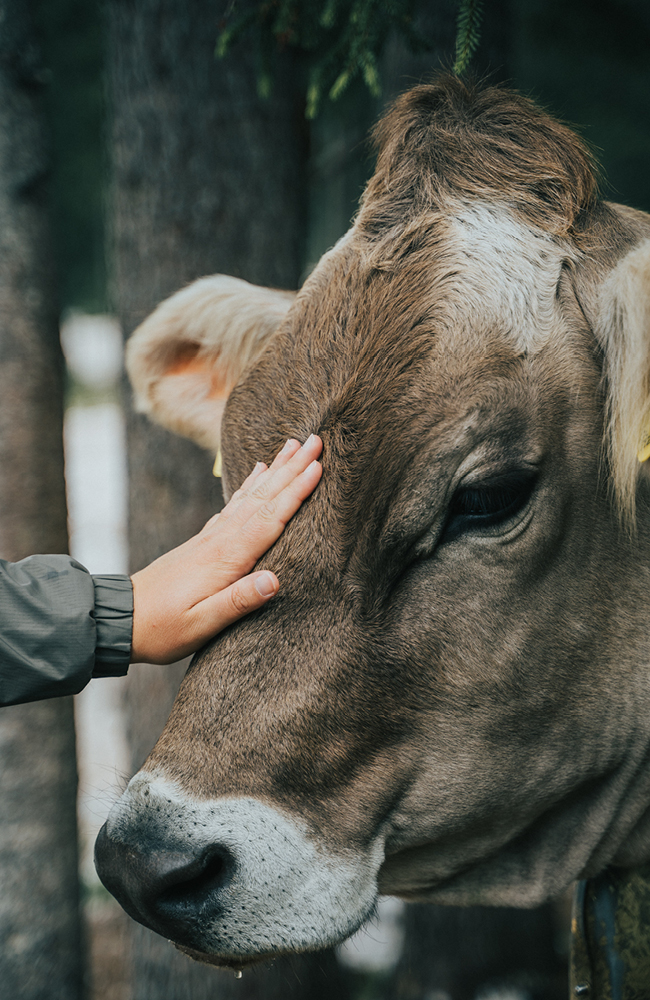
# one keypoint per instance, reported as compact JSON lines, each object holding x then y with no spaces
{"x":486,"y":505}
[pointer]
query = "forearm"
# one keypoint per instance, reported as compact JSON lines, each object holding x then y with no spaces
{"x":59,"y":626}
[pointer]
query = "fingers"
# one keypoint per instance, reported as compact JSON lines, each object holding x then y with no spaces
{"x":281,"y":474}
{"x":262,"y":529}
{"x":289,"y":463}
{"x":264,"y":512}
{"x":295,"y":457}
{"x":264,"y":484}
{"x":276,"y":512}
{"x":258,"y":469}
{"x":289,"y":449}
{"x":248,"y":482}
{"x":189,"y":594}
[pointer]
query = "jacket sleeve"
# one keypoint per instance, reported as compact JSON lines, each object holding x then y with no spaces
{"x":60,"y":626}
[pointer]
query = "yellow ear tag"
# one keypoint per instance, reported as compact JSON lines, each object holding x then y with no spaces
{"x":644,"y":453}
{"x":216,"y":468}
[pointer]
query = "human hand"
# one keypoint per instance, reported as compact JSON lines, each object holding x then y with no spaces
{"x":185,"y":597}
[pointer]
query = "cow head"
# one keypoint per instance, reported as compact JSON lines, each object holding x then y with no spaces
{"x":448,"y":700}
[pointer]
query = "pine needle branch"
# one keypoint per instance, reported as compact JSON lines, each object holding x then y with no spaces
{"x":468,"y":33}
{"x":343,"y":39}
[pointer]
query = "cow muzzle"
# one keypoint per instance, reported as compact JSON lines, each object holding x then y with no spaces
{"x":230,"y":880}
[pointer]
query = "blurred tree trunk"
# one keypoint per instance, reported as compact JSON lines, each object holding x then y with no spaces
{"x":206,"y":177}
{"x":40,"y":941}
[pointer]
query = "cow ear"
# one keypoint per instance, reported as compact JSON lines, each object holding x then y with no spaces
{"x":187,"y":356}
{"x":622,"y":327}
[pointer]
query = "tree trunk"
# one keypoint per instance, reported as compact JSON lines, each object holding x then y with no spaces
{"x":206,"y":178}
{"x":40,"y":941}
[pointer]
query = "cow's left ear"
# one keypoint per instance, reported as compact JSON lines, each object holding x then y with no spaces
{"x":622,"y":327}
{"x":188,"y":355}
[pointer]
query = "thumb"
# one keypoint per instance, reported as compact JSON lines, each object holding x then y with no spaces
{"x":229,"y":605}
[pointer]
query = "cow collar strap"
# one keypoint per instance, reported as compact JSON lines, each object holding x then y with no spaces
{"x":610,"y":947}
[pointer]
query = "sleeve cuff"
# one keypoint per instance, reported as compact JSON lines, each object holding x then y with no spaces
{"x":114,"y":625}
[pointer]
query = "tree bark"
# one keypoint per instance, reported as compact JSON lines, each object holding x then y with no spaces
{"x":207,"y":177}
{"x":40,"y":940}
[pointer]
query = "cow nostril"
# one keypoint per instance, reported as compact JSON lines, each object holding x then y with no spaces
{"x":165,"y":889}
{"x":191,"y":885}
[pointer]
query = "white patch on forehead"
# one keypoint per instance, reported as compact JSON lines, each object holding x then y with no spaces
{"x":509,"y":271}
{"x":288,"y":892}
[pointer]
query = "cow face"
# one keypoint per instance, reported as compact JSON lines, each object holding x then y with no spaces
{"x":444,"y":702}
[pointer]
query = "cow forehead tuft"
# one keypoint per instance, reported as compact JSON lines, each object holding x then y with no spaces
{"x":450,"y":138}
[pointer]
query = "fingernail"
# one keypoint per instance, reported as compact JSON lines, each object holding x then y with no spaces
{"x":310,"y":440}
{"x":258,"y":466}
{"x":287,"y":446}
{"x":266,"y":584}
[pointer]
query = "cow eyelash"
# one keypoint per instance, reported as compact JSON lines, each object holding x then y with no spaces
{"x":491,"y":504}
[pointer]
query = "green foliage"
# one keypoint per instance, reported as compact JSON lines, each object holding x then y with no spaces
{"x":467,"y":33}
{"x":343,"y":39}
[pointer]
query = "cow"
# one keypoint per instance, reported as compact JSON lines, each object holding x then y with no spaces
{"x":449,"y":699}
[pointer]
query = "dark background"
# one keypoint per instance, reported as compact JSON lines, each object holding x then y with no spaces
{"x":584,"y":60}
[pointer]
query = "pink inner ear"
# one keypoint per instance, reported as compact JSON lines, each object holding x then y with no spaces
{"x":187,"y":361}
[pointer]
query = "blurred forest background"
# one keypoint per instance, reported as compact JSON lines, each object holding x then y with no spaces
{"x":132,"y":161}
{"x":586,"y":61}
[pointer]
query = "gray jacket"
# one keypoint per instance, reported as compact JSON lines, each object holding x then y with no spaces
{"x":60,"y":626}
